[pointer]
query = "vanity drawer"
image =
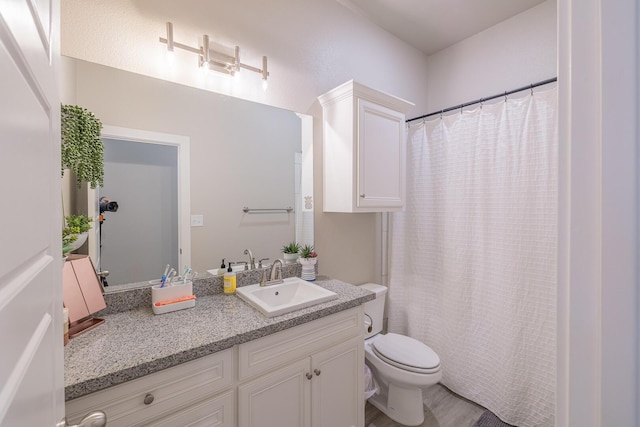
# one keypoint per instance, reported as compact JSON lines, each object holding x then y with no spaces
{"x":215,"y":412}
{"x":264,"y":354}
{"x":165,"y":391}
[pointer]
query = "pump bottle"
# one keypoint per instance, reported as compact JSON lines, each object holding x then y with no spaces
{"x":230,"y":281}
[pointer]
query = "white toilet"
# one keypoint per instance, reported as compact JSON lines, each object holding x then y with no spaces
{"x":402,"y":366}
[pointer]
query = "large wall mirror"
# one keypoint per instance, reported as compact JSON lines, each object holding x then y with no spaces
{"x":241,"y":155}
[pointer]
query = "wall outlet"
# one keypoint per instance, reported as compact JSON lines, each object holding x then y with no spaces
{"x":197,"y":220}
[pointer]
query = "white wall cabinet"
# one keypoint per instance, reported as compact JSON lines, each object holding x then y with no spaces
{"x":364,"y":151}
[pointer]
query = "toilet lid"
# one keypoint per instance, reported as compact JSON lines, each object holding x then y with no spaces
{"x":406,"y":353}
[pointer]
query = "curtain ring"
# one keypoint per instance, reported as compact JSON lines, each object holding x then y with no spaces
{"x":441,"y":111}
{"x":481,"y":103}
{"x":531,"y":89}
{"x":505,"y":96}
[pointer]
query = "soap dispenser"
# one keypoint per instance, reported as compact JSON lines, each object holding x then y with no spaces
{"x":222,"y":269}
{"x":230,"y":281}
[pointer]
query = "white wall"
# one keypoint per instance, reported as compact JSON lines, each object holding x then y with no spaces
{"x":517,"y":52}
{"x":312,"y":46}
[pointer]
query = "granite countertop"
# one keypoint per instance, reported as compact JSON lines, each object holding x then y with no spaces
{"x":134,"y":343}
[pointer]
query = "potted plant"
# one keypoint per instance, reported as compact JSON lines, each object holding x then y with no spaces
{"x":75,"y":233}
{"x":82,"y":149}
{"x":290,"y":252}
{"x":308,"y":254}
{"x":82,"y":152}
{"x":308,"y":259}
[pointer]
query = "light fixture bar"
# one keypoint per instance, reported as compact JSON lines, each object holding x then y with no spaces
{"x":212,"y":59}
{"x":206,"y":55}
{"x":169,"y":39}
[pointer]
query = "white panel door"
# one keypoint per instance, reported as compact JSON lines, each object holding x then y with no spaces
{"x":31,"y":353}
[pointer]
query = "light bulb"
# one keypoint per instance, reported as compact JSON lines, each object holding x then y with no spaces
{"x":265,"y":84}
{"x":204,"y":67}
{"x":170,"y":57}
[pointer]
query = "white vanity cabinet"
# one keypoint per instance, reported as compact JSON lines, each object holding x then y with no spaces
{"x":363,"y":150}
{"x":198,"y":393}
{"x":307,"y":376}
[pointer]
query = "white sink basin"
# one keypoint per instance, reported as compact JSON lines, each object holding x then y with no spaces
{"x":293,"y":294}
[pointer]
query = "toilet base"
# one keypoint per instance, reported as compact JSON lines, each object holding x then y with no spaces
{"x":403,"y":405}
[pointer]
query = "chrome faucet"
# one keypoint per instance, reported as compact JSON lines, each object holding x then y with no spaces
{"x":275,"y":275}
{"x":252,"y":260}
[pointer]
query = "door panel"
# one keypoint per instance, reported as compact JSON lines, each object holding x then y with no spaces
{"x":31,"y":372}
{"x":280,"y":398}
{"x":337,"y":388}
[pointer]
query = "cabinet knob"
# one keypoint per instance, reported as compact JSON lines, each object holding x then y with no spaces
{"x":148,"y":399}
{"x":362,"y":195}
{"x":94,"y":419}
{"x":309,"y":376}
{"x":317,"y":372}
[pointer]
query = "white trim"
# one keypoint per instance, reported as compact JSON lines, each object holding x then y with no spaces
{"x":598,"y":331}
{"x":184,"y":184}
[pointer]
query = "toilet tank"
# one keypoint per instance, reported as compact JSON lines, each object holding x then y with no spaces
{"x":374,"y":309}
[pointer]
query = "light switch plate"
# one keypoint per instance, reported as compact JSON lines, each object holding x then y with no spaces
{"x":197,"y":220}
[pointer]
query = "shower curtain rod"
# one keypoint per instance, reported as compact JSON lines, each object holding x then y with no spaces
{"x":481,"y":100}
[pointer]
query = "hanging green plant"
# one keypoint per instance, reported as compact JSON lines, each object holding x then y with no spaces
{"x":82,"y":149}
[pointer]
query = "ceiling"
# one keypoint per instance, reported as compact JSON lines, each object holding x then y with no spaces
{"x":432,"y":25}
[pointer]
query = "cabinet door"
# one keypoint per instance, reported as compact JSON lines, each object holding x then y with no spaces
{"x":381,"y":156}
{"x":337,"y":388}
{"x":281,"y":398}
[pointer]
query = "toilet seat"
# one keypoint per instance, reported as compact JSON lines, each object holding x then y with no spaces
{"x":406,"y":353}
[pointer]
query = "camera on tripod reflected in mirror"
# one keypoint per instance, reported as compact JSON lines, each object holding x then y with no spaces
{"x":108,"y":206}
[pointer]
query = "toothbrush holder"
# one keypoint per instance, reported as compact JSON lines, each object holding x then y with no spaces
{"x":172,"y":297}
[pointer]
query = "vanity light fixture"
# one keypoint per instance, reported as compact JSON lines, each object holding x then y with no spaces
{"x":210,"y":59}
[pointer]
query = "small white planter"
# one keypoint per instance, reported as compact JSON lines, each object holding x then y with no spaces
{"x":308,"y":268}
{"x":75,"y":245}
{"x":290,"y":258}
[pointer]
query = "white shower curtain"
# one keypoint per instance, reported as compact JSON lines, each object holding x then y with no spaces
{"x":473,"y":256}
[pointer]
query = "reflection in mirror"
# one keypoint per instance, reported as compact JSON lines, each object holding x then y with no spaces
{"x":144,"y":177}
{"x":242,"y":154}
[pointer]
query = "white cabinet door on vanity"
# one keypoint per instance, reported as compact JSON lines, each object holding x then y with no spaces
{"x":281,"y":398}
{"x":337,"y":393}
{"x":309,"y":375}
{"x":321,"y":391}
{"x":363,"y":150}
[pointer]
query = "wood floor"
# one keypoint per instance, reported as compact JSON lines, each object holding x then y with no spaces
{"x":442,"y":408}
